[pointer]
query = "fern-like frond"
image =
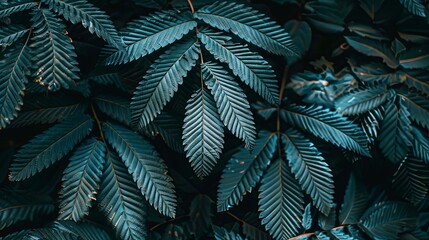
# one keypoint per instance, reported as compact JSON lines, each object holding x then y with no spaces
{"x":48,"y":147}
{"x":354,"y":202}
{"x":202,"y":133}
{"x":149,"y":34}
{"x":49,"y":233}
{"x":233,"y":107}
{"x":249,"y":25}
{"x":244,"y":171}
{"x":54,"y":54}
{"x":280,"y":201}
{"x":90,"y":16}
{"x":169,"y":128}
{"x":10,"y":34}
{"x":145,"y":165}
{"x":370,"y":123}
{"x":110,"y":78}
{"x":420,"y":145}
{"x":84,"y":230}
{"x":395,"y":137}
{"x":328,"y":125}
{"x":310,"y":169}
{"x":418,"y":107}
{"x":14,"y":66}
{"x":361,"y":101}
{"x":419,"y":80}
{"x":116,"y":107}
{"x":18,"y":207}
{"x":250,"y":67}
{"x":8,"y":8}
{"x":221,"y":233}
{"x":415,"y":7}
{"x":120,"y":200}
{"x":81,"y":180}
{"x":387,"y":219}
{"x":410,"y":178}
{"x":162,"y":81}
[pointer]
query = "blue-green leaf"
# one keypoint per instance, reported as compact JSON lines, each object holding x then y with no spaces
{"x":244,"y":170}
{"x":121,"y":201}
{"x":327,"y":222}
{"x":310,"y":169}
{"x":145,"y":165}
{"x":223,"y":234}
{"x":249,"y":25}
{"x":362,"y":100}
{"x":307,"y":219}
{"x":354,"y":202}
{"x":233,"y":107}
{"x":300,"y":32}
{"x":162,"y":81}
{"x":420,"y":146}
{"x":202,"y":133}
{"x":10,"y":7}
{"x":250,"y":67}
{"x":146,"y":35}
{"x":395,"y":137}
{"x":328,"y":125}
{"x":84,"y":230}
{"x":418,"y":107}
{"x":50,"y":146}
{"x":415,"y":7}
{"x":280,"y":201}
{"x":116,"y":107}
{"x":90,"y":16}
{"x":169,"y":128}
{"x":415,"y":57}
{"x":81,"y":180}
{"x":10,"y":34}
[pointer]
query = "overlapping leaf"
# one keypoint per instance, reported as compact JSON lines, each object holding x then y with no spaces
{"x":50,"y":146}
{"x":10,"y":34}
{"x":81,"y":180}
{"x":361,"y":101}
{"x":420,"y":146}
{"x":11,"y":7}
{"x":116,"y":107}
{"x":354,"y":202}
{"x":249,"y":25}
{"x":145,"y":165}
{"x":418,"y":107}
{"x":416,"y":7}
{"x":202,"y":132}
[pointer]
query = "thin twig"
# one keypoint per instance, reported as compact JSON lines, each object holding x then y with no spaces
{"x":191,"y":6}
{"x":168,"y":221}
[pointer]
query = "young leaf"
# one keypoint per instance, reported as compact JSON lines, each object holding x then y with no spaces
{"x":361,"y":101}
{"x":145,"y":165}
{"x":202,"y":133}
{"x":280,"y":201}
{"x":149,"y":34}
{"x":120,"y":200}
{"x":53,"y":54}
{"x":12,"y":79}
{"x":249,"y":25}
{"x":250,"y":67}
{"x":244,"y":170}
{"x":395,"y":133}
{"x":90,"y":16}
{"x":50,"y":146}
{"x":162,"y":81}
{"x":233,"y":107}
{"x":328,"y":125}
{"x":310,"y":169}
{"x":354,"y":202}
{"x":416,"y":7}
{"x":81,"y":180}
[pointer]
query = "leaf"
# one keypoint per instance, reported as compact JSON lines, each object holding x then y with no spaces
{"x":328,"y":125}
{"x":81,"y":180}
{"x":354,"y":202}
{"x":250,"y":67}
{"x":202,"y":133}
{"x":233,"y":107}
{"x":327,"y":222}
{"x":83,"y":230}
{"x":418,"y":107}
{"x":362,"y":100}
{"x":371,"y":7}
{"x":409,"y":180}
{"x":370,"y":124}
{"x":249,"y":25}
{"x":10,"y":34}
{"x":145,"y":165}
{"x":116,"y":107}
{"x":23,"y":207}
{"x":420,"y":146}
{"x":110,"y":78}
{"x":395,"y":133}
{"x":373,"y":74}
{"x":12,"y":79}
{"x":340,"y":233}
{"x":173,"y":232}
{"x":91,"y":17}
{"x":221,"y":233}
{"x":307,"y":219}
{"x":415,"y":7}
{"x":280,"y":201}
{"x":50,"y":146}
{"x":9,"y":8}
{"x":254,"y":233}
{"x":169,"y":128}
{"x":244,"y":170}
{"x":327,"y":16}
{"x":201,"y":215}
{"x":310,"y":169}
{"x":386,"y":220}
{"x":415,"y":57}
{"x":54,"y":55}
{"x":120,"y":200}
{"x":301,"y":34}
{"x":367,"y":31}
{"x":146,"y":35}
{"x":162,"y":81}
{"x":418,"y":80}
{"x":16,"y":235}
{"x":48,"y":233}
{"x":373,"y":48}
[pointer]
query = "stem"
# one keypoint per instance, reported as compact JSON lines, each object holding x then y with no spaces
{"x":283,"y":84}
{"x":97,"y":120}
{"x":168,"y":221}
{"x":191,"y":6}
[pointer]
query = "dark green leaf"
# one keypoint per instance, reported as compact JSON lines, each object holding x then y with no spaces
{"x":201,"y":215}
{"x":362,"y":100}
{"x":415,"y":57}
{"x":416,"y":7}
{"x":354,"y":202}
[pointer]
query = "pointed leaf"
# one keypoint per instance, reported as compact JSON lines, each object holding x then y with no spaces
{"x":361,"y":101}
{"x":10,"y":34}
{"x":8,"y":8}
{"x":415,"y":57}
{"x":420,"y":146}
{"x":415,"y":7}
{"x":418,"y":107}
{"x":354,"y":202}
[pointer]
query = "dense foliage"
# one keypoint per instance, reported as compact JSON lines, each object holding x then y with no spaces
{"x":303,"y":119}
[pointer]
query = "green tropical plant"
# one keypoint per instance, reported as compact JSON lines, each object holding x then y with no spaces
{"x":203,"y":119}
